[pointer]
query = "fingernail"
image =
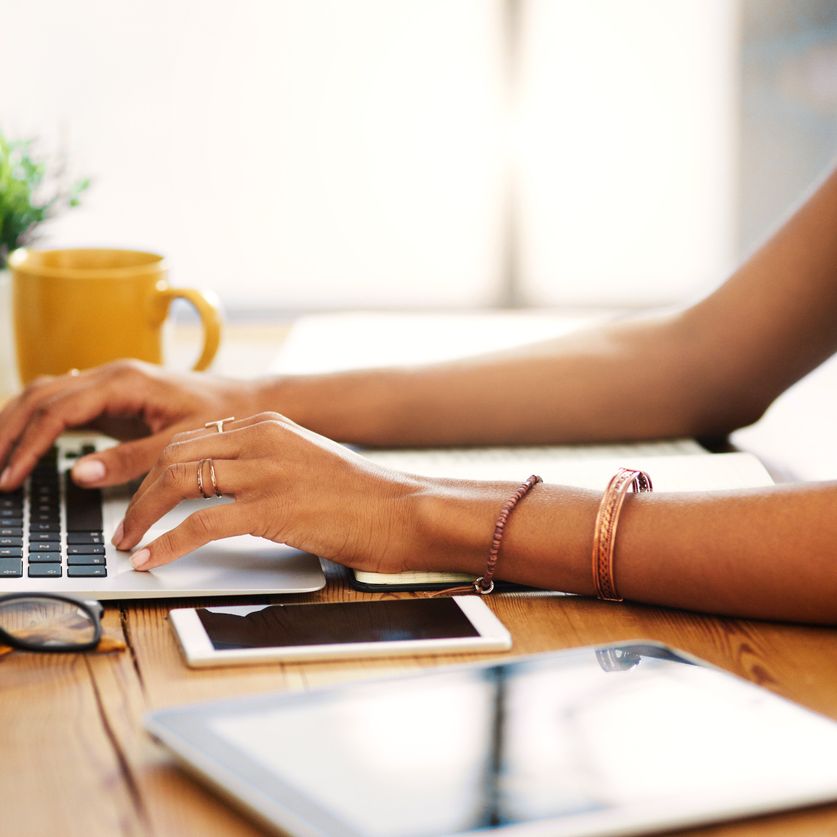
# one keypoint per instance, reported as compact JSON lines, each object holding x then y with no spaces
{"x":89,"y":470}
{"x":4,"y":477}
{"x":117,"y":535}
{"x":140,"y":559}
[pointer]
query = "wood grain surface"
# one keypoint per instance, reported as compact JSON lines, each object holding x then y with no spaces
{"x":80,"y":764}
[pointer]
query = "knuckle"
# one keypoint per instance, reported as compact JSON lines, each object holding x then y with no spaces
{"x":126,"y":368}
{"x":124,"y":455}
{"x":42,"y":415}
{"x":174,"y":475}
{"x":202,"y":524}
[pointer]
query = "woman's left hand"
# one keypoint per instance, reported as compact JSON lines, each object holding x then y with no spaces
{"x":289,"y":485}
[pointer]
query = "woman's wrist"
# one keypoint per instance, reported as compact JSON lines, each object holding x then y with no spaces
{"x":547,"y":540}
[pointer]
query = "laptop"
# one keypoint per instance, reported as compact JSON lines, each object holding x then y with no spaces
{"x":55,"y":538}
{"x":626,"y":739}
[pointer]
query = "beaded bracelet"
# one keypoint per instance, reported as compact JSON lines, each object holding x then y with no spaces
{"x":607,"y":519}
{"x":485,"y":583}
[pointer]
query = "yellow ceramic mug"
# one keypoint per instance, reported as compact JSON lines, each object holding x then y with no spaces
{"x":82,"y":307}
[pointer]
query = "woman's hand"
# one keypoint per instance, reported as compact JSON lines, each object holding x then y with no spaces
{"x":289,"y":484}
{"x":139,"y":403}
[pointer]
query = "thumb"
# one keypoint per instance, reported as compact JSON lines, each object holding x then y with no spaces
{"x":119,"y":464}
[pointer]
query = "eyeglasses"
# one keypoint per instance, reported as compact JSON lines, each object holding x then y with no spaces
{"x":49,"y":622}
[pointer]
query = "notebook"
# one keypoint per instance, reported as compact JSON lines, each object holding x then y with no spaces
{"x":626,"y":739}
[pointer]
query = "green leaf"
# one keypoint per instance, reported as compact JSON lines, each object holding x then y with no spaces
{"x":31,"y":192}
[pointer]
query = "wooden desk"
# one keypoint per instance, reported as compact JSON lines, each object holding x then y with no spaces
{"x":76,"y":761}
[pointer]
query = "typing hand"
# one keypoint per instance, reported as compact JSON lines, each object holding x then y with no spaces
{"x":139,"y":403}
{"x":289,"y":484}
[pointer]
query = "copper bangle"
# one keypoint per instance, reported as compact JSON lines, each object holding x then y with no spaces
{"x":607,"y":520}
{"x":485,"y":583}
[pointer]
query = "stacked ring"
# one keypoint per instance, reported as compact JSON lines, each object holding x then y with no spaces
{"x":212,"y":479}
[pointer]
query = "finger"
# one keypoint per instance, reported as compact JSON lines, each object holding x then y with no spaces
{"x":234,"y":424}
{"x":45,"y":422}
{"x":179,"y":481}
{"x":51,"y":405}
{"x":189,"y":447}
{"x":121,"y":463}
{"x":197,"y":530}
{"x":15,"y":415}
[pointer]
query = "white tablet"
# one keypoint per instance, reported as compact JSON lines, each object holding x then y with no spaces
{"x":215,"y":636}
{"x":618,"y":740}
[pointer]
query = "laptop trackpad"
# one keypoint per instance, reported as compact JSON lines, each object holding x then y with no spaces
{"x":219,"y":557}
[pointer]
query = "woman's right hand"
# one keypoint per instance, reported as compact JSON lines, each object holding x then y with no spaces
{"x":138,"y":403}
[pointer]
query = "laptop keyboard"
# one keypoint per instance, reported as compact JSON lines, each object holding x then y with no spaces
{"x":50,"y":527}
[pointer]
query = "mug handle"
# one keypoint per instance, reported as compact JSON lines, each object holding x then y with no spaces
{"x":207,"y":305}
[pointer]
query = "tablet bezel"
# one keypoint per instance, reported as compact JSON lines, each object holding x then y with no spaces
{"x":199,"y":652}
{"x":188,"y":735}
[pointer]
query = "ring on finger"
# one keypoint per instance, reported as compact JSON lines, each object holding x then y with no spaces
{"x":218,"y":424}
{"x":200,"y":480}
{"x":212,"y":478}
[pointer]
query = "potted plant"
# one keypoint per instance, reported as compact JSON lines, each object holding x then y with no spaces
{"x":31,"y":193}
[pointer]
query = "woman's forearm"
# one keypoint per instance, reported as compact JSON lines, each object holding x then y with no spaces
{"x":613,"y":382}
{"x":766,"y":553}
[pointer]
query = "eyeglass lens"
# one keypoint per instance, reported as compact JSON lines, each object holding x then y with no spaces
{"x":43,"y":622}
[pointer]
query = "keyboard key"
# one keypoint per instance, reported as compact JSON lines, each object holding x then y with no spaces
{"x":45,"y":510}
{"x":87,"y":572}
{"x":7,"y":541}
{"x":44,"y":557}
{"x":77,"y":538}
{"x":11,"y":531}
{"x":45,"y":547}
{"x":44,"y":525}
{"x":85,"y":549}
{"x":44,"y":537}
{"x":11,"y":522}
{"x":12,"y":511}
{"x":86,"y":560}
{"x":11,"y":567}
{"x":11,"y":552}
{"x":84,"y":508}
{"x":45,"y":570}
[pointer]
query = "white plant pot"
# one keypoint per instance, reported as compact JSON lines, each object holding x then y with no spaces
{"x":8,"y":361}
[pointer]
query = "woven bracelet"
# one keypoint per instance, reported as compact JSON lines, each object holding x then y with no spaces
{"x":604,"y":535}
{"x":485,"y":583}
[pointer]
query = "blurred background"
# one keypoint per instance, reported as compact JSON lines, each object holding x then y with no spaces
{"x":304,"y":155}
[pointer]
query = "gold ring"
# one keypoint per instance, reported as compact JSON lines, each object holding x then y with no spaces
{"x":212,"y":478}
{"x":200,"y":480}
{"x":219,"y":423}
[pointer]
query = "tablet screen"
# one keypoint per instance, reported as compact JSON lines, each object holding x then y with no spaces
{"x":588,"y":739}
